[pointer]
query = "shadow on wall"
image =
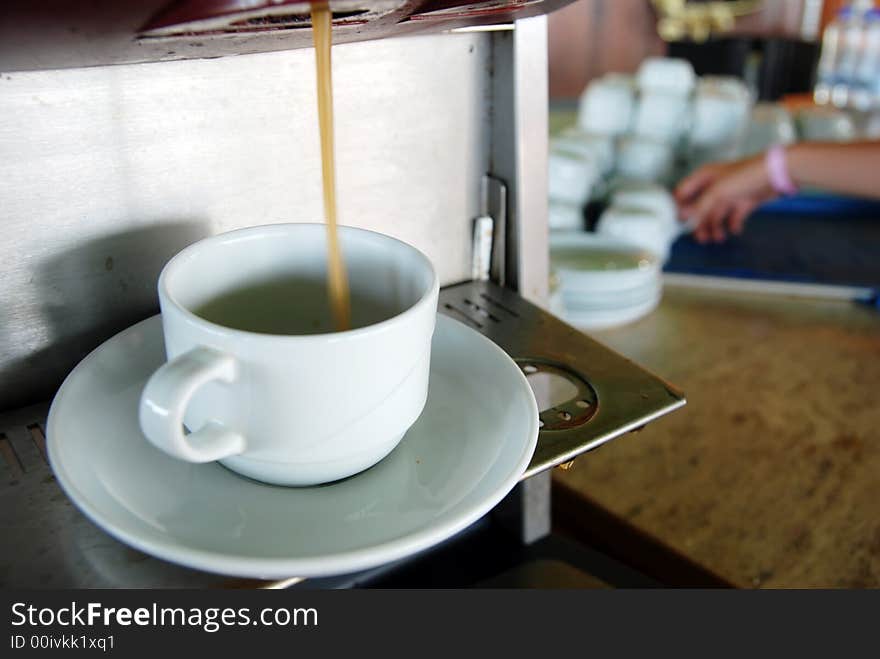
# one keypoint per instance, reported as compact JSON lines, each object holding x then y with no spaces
{"x":82,"y":297}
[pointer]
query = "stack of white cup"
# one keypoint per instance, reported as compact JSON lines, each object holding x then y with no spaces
{"x":600,"y":282}
{"x":613,"y":276}
{"x":608,"y":105}
{"x":628,"y":133}
{"x":572,"y":177}
{"x":720,"y":119}
{"x":644,"y":215}
{"x":662,"y":117}
{"x":578,"y":163}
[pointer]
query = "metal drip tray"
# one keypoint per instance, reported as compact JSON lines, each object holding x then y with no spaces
{"x":610,"y":394}
{"x":51,"y":544}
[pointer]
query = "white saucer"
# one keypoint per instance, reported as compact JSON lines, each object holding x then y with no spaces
{"x":468,"y":449}
{"x":576,"y":301}
{"x":606,"y":318}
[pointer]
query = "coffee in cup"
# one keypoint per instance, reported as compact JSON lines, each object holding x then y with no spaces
{"x":255,"y":371}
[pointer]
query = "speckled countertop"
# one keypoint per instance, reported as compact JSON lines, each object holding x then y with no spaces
{"x":770,"y":476}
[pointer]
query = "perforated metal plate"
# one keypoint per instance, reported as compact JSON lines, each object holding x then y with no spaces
{"x":578,"y":403}
{"x":613,"y":395}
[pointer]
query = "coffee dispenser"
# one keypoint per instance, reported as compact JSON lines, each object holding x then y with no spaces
{"x":131,"y":129}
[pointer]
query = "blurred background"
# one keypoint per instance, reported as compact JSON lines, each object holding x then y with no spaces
{"x":771,"y":477}
{"x":592,"y":37}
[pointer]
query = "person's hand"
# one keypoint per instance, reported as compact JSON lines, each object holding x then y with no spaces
{"x":718,"y":198}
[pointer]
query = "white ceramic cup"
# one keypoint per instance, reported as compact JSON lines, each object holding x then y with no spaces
{"x":571,"y":176}
{"x":291,"y":408}
{"x":639,"y":226}
{"x":606,"y":106}
{"x":565,"y":217}
{"x":591,"y":145}
{"x":644,"y":159}
{"x":649,"y":196}
{"x":662,"y":116}
{"x":666,"y":74}
{"x":733,"y":85}
{"x":721,"y":112}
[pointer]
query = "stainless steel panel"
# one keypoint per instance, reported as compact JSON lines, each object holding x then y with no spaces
{"x":519,"y":152}
{"x":519,"y":158}
{"x":106,"y":172}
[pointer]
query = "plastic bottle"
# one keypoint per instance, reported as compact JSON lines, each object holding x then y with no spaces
{"x":866,"y":88}
{"x":832,"y":42}
{"x":850,"y":51}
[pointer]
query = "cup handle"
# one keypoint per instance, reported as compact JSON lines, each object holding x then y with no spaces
{"x":166,"y":396}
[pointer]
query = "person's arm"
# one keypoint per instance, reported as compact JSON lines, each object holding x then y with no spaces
{"x":718,"y":198}
{"x":849,"y":169}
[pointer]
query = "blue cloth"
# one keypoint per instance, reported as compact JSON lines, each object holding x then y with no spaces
{"x":820,"y":239}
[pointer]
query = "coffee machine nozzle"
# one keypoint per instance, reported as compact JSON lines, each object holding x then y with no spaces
{"x":353,"y":20}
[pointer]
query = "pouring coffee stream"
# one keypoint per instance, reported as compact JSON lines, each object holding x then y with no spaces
{"x":337,"y":277}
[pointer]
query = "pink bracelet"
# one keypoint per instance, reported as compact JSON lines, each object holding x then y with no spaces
{"x":777,"y":171}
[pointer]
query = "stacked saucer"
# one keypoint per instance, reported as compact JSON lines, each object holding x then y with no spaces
{"x":602,"y":282}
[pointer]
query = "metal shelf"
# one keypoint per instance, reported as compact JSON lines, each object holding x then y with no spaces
{"x":614,"y":395}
